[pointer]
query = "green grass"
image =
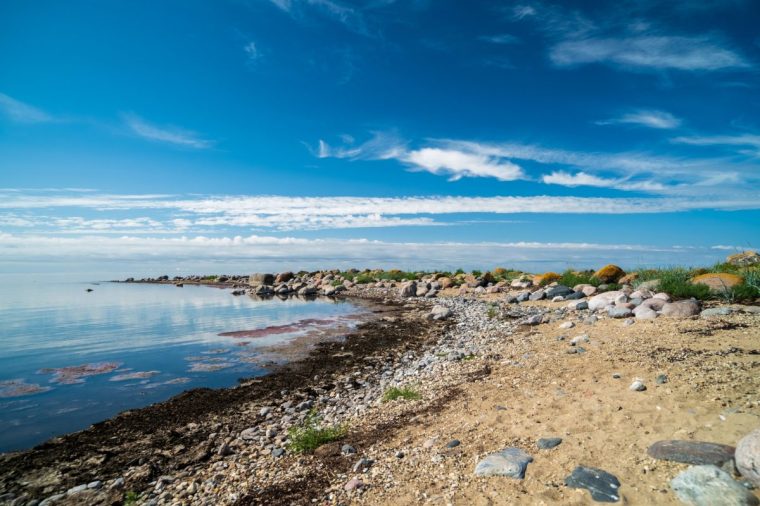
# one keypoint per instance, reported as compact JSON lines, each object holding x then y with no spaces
{"x":406,"y":393}
{"x":493,"y":311}
{"x":363,"y":279}
{"x":310,"y":435}
{"x":337,"y":282}
{"x":469,"y":357}
{"x":570,"y":278}
{"x":131,"y":498}
{"x":476,"y":273}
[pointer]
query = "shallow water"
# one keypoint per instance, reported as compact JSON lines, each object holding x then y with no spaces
{"x":69,"y":358}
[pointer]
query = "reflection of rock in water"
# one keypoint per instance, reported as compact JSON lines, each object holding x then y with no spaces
{"x":75,"y":373}
{"x":18,"y":387}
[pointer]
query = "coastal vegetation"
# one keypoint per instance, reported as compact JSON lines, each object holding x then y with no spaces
{"x":405,"y":393}
{"x":310,"y":434}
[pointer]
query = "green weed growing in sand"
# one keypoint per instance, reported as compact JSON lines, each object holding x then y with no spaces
{"x":131,"y":498}
{"x":310,"y":434}
{"x":406,"y":393}
{"x":493,"y":311}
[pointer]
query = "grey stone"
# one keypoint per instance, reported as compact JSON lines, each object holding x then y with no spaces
{"x":602,"y":485}
{"x":691,"y":452}
{"x":709,"y":485}
{"x":716,"y":311}
{"x":278,"y":452}
{"x":548,"y":443}
{"x":637,"y":386}
{"x":559,"y":290}
{"x":511,"y":462}
{"x":408,"y":289}
{"x":619,"y":312}
{"x":537,"y":295}
{"x":363,"y":464}
{"x":440,"y":312}
{"x":453,"y":443}
{"x":680,"y":309}
{"x":748,"y":457}
{"x":261,"y":279}
{"x":523,"y":296}
{"x":575,"y":296}
{"x":661,"y":379}
{"x":347,"y":449}
{"x":535,"y":319}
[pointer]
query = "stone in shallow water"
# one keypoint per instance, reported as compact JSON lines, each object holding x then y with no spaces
{"x":709,"y":486}
{"x":549,"y":442}
{"x":511,"y":462}
{"x":691,"y":452}
{"x":602,"y":485}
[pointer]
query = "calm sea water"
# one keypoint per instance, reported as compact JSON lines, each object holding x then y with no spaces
{"x":69,"y":358}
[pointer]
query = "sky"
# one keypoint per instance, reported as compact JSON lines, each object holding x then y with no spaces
{"x":175,"y":136}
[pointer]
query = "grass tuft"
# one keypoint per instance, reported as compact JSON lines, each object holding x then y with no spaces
{"x":310,"y":435}
{"x":406,"y":393}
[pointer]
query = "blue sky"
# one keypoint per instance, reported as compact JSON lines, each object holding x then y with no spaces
{"x":411,"y":133}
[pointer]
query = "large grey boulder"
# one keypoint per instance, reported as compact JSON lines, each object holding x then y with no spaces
{"x":408,"y":289}
{"x":748,"y":457}
{"x":709,"y":485}
{"x":602,"y":300}
{"x":260,"y":278}
{"x":440,"y":312}
{"x":681,"y":309}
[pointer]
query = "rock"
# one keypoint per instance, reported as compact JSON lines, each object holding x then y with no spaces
{"x":76,"y":490}
{"x":535,"y":319}
{"x":642,"y":293}
{"x":629,"y":279}
{"x":603,"y":300}
{"x":602,"y":485}
{"x":261,"y":279}
{"x":347,"y":449}
{"x":575,"y":296}
{"x":691,"y":452}
{"x":249,"y":434}
{"x":716,"y":311}
{"x":719,"y":282}
{"x":645,"y":313}
{"x":609,"y":274}
{"x":278,"y":452}
{"x":453,"y":443}
{"x":681,"y":309}
{"x":429,"y":443}
{"x":708,"y":485}
{"x":744,"y":259}
{"x":362,"y":465}
{"x":585,"y":289}
{"x":661,"y":379}
{"x":523,"y":296}
{"x":662,"y":296}
{"x":583,"y":338}
{"x":224,"y":450}
{"x":537,"y":295}
{"x":549,"y":443}
{"x":578,"y":305}
{"x":511,"y":462}
{"x":567,"y":325}
{"x":117,"y":484}
{"x":283,"y":277}
{"x":353,"y":484}
{"x":445,"y":283}
{"x":637,"y":386}
{"x":652,"y":284}
{"x":440,"y":312}
{"x":619,"y":312}
{"x":653,"y":304}
{"x":558,"y":291}
{"x":591,"y":320}
{"x":748,"y":457}
{"x":558,"y":298}
{"x":408,"y":289}
{"x":628,"y":322}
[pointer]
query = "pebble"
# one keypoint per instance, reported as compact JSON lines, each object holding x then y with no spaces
{"x":362,"y":465}
{"x":511,"y":462}
{"x":708,"y":485}
{"x":429,"y":443}
{"x":637,"y":386}
{"x":549,"y":443}
{"x":691,"y":452}
{"x":347,"y":449}
{"x":278,"y":452}
{"x":616,"y":375}
{"x":399,"y":454}
{"x":453,"y":443}
{"x":602,"y":485}
{"x":567,"y":325}
{"x":661,"y":379}
{"x":353,"y":484}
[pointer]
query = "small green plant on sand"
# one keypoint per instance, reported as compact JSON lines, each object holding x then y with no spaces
{"x":310,"y":434}
{"x":469,"y":357}
{"x":131,"y":498}
{"x":406,"y":393}
{"x":493,"y":311}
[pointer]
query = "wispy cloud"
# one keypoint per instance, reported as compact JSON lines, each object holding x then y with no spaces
{"x":251,"y":51}
{"x":457,"y":164}
{"x":170,"y":135}
{"x":584,"y":179}
{"x":502,"y":39}
{"x":751,"y":141}
{"x":649,"y":52}
{"x":352,"y":18}
{"x":20,"y":112}
{"x":645,"y":117}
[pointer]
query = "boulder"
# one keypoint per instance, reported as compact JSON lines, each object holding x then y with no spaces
{"x":629,"y":279}
{"x":283,"y":277}
{"x":691,"y":452}
{"x":619,"y":312}
{"x":710,"y":486}
{"x":681,"y":309}
{"x":644,"y":313}
{"x":259,"y":279}
{"x":719,"y":282}
{"x":652,"y":284}
{"x":408,"y":289}
{"x":440,"y":312}
{"x":602,"y":300}
{"x":748,"y":457}
{"x":545,"y":278}
{"x":609,"y":274}
{"x":538,"y":295}
{"x":653,"y":304}
{"x":558,"y":291}
{"x":445,"y":283}
{"x":744,"y":259}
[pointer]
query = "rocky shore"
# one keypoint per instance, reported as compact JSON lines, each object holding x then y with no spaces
{"x":463,"y":389}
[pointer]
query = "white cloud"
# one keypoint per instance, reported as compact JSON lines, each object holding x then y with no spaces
{"x":523,"y":11}
{"x":648,"y":52}
{"x":504,"y":38}
{"x":646,"y":117}
{"x":721,"y":140}
{"x":169,"y":135}
{"x":285,"y":5}
{"x":251,"y":51}
{"x":22,"y":113}
{"x":458,"y":164}
{"x":584,"y":179}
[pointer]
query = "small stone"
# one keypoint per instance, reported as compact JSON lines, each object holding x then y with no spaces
{"x":453,"y":443}
{"x":95,"y":485}
{"x":347,"y":449}
{"x":535,"y":319}
{"x":225,"y":450}
{"x":567,"y":325}
{"x":661,"y":379}
{"x":708,"y":485}
{"x":637,"y":386}
{"x":500,"y":408}
{"x":278,"y":452}
{"x":616,"y":375}
{"x":362,"y":465}
{"x":353,"y":484}
{"x":511,"y":462}
{"x":691,"y":452}
{"x":399,"y":454}
{"x":628,"y":322}
{"x":429,"y":443}
{"x":549,"y":443}
{"x":602,"y":485}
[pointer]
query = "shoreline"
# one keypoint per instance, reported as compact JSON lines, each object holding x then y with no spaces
{"x":230,"y":446}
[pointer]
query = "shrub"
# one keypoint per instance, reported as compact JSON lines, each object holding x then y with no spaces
{"x":310,"y":435}
{"x":476,"y":273}
{"x":676,"y":282}
{"x":131,"y":498}
{"x":571,"y":278}
{"x":406,"y":393}
{"x":493,"y":311}
{"x":548,"y":278}
{"x":363,"y":279}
